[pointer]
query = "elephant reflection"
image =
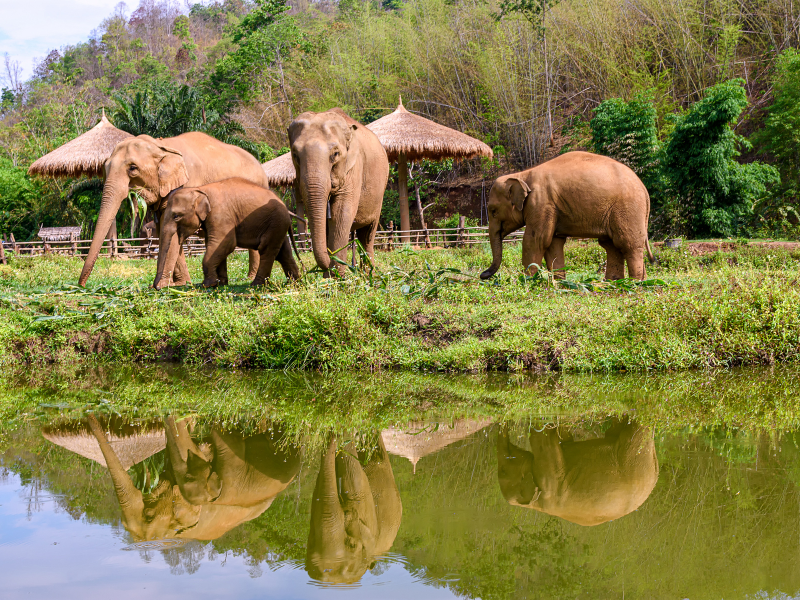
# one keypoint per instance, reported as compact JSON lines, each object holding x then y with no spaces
{"x":586,"y":482}
{"x":355,"y":513}
{"x":167,"y":512}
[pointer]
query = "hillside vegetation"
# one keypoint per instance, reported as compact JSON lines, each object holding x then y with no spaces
{"x":530,"y":77}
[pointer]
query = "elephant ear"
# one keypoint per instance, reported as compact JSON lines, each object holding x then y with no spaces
{"x":202,"y":205}
{"x":352,"y":147}
{"x":171,"y":171}
{"x":518,"y":190}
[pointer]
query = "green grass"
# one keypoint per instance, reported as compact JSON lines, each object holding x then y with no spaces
{"x":417,"y":310}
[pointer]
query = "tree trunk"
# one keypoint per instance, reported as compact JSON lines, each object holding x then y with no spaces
{"x":402,"y":185}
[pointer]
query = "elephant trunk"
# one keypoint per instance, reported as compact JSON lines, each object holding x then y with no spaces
{"x":130,"y":499}
{"x":114,"y":192}
{"x":327,"y":534}
{"x":496,"y":240}
{"x":169,"y":247}
{"x":316,"y":192}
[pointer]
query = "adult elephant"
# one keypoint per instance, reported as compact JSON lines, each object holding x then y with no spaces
{"x":587,"y":482}
{"x":577,"y":194}
{"x":342,"y":171}
{"x":154,"y":167}
{"x":355,"y":513}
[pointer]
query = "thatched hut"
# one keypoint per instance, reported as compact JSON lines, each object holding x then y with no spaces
{"x":85,"y":155}
{"x":407,"y":136}
{"x":416,"y":441}
{"x":131,"y":443}
{"x":280,"y":171}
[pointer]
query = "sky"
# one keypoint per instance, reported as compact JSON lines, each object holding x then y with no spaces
{"x":29,"y":29}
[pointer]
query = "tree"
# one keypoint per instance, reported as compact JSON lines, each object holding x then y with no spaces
{"x":781,"y":134}
{"x":699,"y":163}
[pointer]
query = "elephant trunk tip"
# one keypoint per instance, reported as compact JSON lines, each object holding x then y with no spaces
{"x":488,"y":273}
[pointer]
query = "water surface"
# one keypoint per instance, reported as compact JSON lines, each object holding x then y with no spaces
{"x":605,"y":501}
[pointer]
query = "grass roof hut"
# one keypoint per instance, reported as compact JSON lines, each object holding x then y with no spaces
{"x":415,"y":442}
{"x":131,"y":443}
{"x":407,"y":136}
{"x":280,"y":171}
{"x":85,"y":155}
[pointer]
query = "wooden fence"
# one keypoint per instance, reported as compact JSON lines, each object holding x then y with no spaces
{"x":136,"y":248}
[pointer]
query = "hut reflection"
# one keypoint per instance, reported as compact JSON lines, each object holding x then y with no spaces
{"x":577,"y":476}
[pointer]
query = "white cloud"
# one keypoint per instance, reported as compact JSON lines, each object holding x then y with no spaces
{"x":29,"y":29}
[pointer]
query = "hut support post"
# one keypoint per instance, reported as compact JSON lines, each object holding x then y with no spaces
{"x":402,"y":184}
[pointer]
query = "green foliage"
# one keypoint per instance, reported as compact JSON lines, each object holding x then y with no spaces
{"x":626,"y":131}
{"x":699,"y":161}
{"x":17,"y":198}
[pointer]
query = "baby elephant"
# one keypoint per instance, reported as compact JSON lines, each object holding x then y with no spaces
{"x":231,"y":213}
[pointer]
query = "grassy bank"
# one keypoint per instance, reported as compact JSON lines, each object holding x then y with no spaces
{"x":418,"y":310}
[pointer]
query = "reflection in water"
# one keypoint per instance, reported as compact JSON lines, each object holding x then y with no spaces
{"x":587,"y":481}
{"x":355,"y":512}
{"x":205,"y":488}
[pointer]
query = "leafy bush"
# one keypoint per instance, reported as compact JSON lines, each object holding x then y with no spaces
{"x":17,"y":195}
{"x":699,"y":163}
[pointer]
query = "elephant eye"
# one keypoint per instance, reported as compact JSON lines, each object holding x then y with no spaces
{"x":177,"y":217}
{"x":334,"y":155}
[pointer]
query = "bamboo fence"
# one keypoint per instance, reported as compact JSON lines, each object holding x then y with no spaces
{"x":145,"y":248}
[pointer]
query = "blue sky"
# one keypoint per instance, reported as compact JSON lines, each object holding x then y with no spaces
{"x":30,"y":28}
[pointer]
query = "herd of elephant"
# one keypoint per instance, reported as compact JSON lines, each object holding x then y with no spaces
{"x":194,"y":183}
{"x":213,"y":480}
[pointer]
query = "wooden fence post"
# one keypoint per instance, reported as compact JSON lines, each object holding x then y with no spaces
{"x":462,"y":221}
{"x":14,"y":244}
{"x":390,"y":237}
{"x":74,"y":247}
{"x":2,"y":252}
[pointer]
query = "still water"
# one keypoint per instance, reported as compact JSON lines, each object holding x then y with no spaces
{"x":492,"y":504}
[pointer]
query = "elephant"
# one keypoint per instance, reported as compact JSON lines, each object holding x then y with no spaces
{"x":586,"y":482}
{"x":342,"y":168}
{"x":166,"y":513}
{"x":355,"y":513}
{"x":228,"y":468}
{"x":577,"y":194}
{"x":153,"y":168}
{"x":233,"y":212}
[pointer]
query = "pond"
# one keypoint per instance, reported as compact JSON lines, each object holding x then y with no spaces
{"x":273,"y":485}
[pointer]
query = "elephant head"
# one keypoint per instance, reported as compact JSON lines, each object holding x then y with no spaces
{"x":142,"y":164}
{"x":324,"y":152}
{"x":185,"y":212}
{"x":355,"y":514}
{"x":506,"y":200}
{"x":163,"y":513}
{"x":229,"y":468}
{"x":586,"y":482}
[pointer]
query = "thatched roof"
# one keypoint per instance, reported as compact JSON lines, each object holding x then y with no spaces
{"x":280,"y":171}
{"x":419,"y":439}
{"x":85,"y":155}
{"x":59,"y":234}
{"x":131,"y":444}
{"x":418,"y":137}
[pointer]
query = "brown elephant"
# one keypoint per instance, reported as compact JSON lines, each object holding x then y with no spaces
{"x":165,"y":512}
{"x":153,"y":168}
{"x":233,"y":212}
{"x":342,"y":168}
{"x":586,"y":482}
{"x":577,"y":194}
{"x":355,"y":513}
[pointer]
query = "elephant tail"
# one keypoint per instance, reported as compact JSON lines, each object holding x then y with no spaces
{"x":298,"y":218}
{"x":649,"y":251}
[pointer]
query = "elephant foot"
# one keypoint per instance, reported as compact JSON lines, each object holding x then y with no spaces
{"x":258,"y":281}
{"x":210,"y":283}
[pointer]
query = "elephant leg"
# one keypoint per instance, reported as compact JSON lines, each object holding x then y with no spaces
{"x":554,"y":257}
{"x":343,"y":212}
{"x":635,"y":259}
{"x":180,"y":275}
{"x":266,"y":260}
{"x":286,"y":260}
{"x":254,"y":258}
{"x":366,"y":236}
{"x":222,"y":271}
{"x":533,"y":248}
{"x":615,"y":263}
{"x":216,"y":254}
